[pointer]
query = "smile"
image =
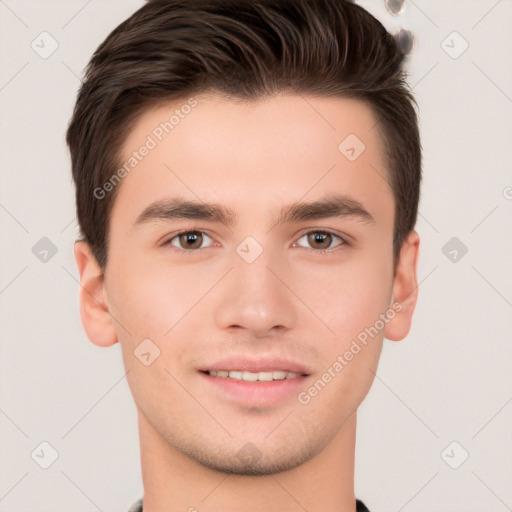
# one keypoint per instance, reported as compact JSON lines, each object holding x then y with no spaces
{"x":254,"y":376}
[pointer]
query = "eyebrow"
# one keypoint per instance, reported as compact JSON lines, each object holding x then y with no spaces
{"x":328,"y":207}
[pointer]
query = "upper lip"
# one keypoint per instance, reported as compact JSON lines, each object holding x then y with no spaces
{"x":260,"y":364}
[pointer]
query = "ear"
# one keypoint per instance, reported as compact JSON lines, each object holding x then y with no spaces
{"x":405,"y":289}
{"x":94,"y":312}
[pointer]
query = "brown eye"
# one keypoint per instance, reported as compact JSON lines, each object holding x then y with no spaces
{"x":189,"y":240}
{"x":320,"y":240}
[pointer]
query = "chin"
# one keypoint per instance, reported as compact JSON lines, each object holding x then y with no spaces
{"x":251,"y":459}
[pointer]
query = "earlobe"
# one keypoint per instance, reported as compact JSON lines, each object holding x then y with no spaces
{"x":94,"y":311}
{"x":405,"y":289}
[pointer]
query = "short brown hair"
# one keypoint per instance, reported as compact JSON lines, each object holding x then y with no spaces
{"x":171,"y":49}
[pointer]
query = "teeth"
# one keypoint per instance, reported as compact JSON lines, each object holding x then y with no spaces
{"x":252,"y":377}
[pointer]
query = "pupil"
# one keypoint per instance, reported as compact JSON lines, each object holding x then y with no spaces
{"x":190,"y":238}
{"x":320,"y":238}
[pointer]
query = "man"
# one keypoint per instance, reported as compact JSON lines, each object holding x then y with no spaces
{"x":247,"y":182}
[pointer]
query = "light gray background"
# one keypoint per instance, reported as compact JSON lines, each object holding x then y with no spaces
{"x":450,"y":380}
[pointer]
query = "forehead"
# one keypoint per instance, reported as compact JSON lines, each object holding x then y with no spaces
{"x":207,"y":119}
{"x":285,"y":148}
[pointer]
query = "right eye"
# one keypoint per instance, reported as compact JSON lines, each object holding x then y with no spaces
{"x":189,"y":241}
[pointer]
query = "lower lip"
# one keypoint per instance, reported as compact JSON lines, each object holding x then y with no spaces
{"x":257,"y":393}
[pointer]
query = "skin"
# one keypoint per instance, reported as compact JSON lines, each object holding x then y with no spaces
{"x":292,"y":301}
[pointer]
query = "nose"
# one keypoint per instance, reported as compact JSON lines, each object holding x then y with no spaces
{"x":254,"y":297}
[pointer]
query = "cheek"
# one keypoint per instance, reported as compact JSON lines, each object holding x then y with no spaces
{"x":161,"y":302}
{"x":148,"y":305}
{"x":348,"y":296}
{"x":144,"y":301}
{"x":351,"y":304}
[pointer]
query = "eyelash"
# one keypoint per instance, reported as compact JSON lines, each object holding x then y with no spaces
{"x":318,"y":251}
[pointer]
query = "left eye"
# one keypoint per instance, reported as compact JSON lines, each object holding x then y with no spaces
{"x":322,"y":238}
{"x":189,"y":240}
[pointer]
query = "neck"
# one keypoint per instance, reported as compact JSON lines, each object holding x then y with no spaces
{"x":173,"y":482}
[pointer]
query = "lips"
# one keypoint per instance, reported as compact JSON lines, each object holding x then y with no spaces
{"x":254,"y":381}
{"x":241,"y":365}
{"x":252,"y":393}
{"x":254,"y":376}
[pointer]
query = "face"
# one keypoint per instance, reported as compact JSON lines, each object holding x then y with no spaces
{"x":247,"y":240}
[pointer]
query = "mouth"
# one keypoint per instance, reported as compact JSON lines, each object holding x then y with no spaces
{"x":259,"y":382}
{"x":266,"y":376}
